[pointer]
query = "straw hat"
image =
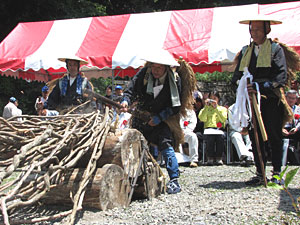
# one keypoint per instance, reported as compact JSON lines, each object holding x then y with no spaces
{"x":261,"y":18}
{"x":160,"y":56}
{"x":82,"y":62}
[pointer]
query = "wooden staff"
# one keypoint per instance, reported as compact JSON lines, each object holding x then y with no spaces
{"x":259,"y":118}
{"x":262,"y":127}
{"x":142,"y":115}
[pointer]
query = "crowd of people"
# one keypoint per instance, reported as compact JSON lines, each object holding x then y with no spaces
{"x":157,"y":90}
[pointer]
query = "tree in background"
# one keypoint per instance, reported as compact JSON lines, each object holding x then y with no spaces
{"x":25,"y":92}
{"x":116,"y":7}
{"x":16,"y":11}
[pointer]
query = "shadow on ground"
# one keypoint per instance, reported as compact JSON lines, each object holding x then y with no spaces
{"x":224,"y":185}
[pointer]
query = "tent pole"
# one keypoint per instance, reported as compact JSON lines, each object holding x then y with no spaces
{"x":113,"y":81}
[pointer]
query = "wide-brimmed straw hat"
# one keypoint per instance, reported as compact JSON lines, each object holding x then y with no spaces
{"x":263,"y":18}
{"x":82,"y":61}
{"x":160,"y":56}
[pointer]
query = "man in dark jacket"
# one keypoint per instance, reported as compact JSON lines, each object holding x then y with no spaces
{"x":157,"y":89}
{"x":69,"y":89}
{"x":266,"y":62}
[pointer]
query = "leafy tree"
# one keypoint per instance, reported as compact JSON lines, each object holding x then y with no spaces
{"x":115,"y":7}
{"x":100,"y":84}
{"x":15,"y":11}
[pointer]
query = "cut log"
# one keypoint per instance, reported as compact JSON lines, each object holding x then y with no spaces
{"x":151,"y":184}
{"x":122,"y":148}
{"x":107,"y":189}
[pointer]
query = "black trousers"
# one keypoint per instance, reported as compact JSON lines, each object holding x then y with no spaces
{"x":215,"y":145}
{"x":272,"y":115}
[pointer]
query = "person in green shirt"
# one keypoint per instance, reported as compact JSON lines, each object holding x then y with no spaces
{"x":214,"y":117}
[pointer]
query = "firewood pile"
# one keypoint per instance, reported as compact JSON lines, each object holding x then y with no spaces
{"x":73,"y":159}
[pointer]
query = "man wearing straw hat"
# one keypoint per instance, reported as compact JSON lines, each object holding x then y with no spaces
{"x":266,"y":63}
{"x":68,"y":90}
{"x":158,"y":91}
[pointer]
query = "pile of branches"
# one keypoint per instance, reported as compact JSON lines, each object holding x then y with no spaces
{"x":31,"y":147}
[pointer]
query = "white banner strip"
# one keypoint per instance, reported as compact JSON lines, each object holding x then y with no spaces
{"x":227,"y":35}
{"x":142,"y":32}
{"x":63,"y":40}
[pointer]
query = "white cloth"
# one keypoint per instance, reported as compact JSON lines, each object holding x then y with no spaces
{"x":242,"y":109}
{"x":189,"y":136}
{"x":241,"y":142}
{"x":11,"y":110}
{"x":52,"y":112}
{"x":72,"y":79}
{"x":124,"y":118}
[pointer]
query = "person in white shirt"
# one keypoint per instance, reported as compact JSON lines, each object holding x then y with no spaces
{"x":291,"y":131}
{"x":188,"y":125}
{"x":240,"y":139}
{"x":11,"y":109}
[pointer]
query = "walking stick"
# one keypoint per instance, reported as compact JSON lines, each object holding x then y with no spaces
{"x":262,"y":127}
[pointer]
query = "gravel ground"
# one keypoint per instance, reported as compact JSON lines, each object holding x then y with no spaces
{"x":210,"y":195}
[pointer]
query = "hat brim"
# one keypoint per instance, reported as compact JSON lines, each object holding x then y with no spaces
{"x":159,"y":56}
{"x":262,"y":18}
{"x":82,"y":62}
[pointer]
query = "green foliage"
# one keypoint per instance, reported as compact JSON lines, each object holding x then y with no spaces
{"x":298,"y":77}
{"x":213,"y":77}
{"x":100,"y":84}
{"x":14,"y":12}
{"x":25,"y":92}
{"x":289,"y":176}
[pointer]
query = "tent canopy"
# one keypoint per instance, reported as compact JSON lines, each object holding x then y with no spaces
{"x":198,"y":35}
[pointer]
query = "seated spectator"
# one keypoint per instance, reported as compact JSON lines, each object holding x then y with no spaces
{"x":188,"y":124}
{"x":198,"y":105}
{"x":214,"y":117}
{"x":11,"y":109}
{"x":240,"y":138}
{"x":108,"y":92}
{"x":291,"y":131}
{"x":41,"y":100}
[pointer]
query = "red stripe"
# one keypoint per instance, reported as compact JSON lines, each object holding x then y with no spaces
{"x":189,"y":33}
{"x":102,"y":39}
{"x":13,"y":52}
{"x":203,"y":67}
{"x":289,"y":14}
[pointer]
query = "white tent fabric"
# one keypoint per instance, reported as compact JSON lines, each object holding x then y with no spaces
{"x":198,"y":35}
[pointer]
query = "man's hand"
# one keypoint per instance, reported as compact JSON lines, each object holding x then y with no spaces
{"x":151,"y":123}
{"x":211,"y":102}
{"x":285,"y":132}
{"x":244,"y":131}
{"x":251,"y":89}
{"x":293,"y":131}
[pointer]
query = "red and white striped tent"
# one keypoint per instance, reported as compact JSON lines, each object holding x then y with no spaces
{"x":200,"y":36}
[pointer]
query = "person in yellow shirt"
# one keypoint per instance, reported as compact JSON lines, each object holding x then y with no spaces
{"x":214,"y":117}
